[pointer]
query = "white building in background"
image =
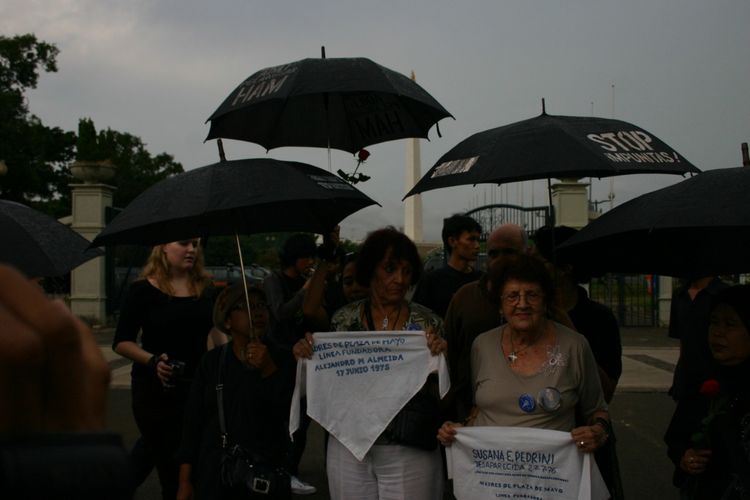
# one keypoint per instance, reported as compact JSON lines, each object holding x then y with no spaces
{"x":413,"y":204}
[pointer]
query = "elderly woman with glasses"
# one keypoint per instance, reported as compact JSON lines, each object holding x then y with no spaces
{"x":532,"y":371}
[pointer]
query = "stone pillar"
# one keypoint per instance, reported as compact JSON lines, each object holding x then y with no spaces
{"x":90,"y":200}
{"x":664,"y":300}
{"x":571,"y":204}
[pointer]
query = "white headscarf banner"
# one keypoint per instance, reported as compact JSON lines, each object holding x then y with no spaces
{"x":521,"y":462}
{"x":356,"y":382}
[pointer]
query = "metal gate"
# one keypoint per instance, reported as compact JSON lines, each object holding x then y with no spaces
{"x":491,"y":216}
{"x":122,"y":264}
{"x":631,"y":297}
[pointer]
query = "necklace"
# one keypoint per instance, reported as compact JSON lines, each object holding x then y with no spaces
{"x":513,"y":356}
{"x":385,"y":317}
{"x":395,"y":321}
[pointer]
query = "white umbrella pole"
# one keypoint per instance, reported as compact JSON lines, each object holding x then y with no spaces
{"x":244,"y":285}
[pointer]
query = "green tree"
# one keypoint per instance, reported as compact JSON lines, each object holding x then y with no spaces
{"x":136,"y":168}
{"x":36,"y":155}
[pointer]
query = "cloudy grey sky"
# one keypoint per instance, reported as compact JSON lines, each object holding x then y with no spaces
{"x":159,"y":68}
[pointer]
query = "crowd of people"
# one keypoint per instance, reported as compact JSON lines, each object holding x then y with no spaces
{"x":214,"y":372}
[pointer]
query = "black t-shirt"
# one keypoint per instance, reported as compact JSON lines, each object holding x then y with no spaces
{"x":177,"y":326}
{"x":435,"y":290}
{"x":256,"y":415}
{"x":285,"y":298}
{"x":597,"y":323}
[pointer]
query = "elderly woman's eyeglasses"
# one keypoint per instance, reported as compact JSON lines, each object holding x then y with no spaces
{"x":514,"y":298}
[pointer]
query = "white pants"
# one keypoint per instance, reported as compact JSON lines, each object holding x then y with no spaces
{"x":388,"y":472}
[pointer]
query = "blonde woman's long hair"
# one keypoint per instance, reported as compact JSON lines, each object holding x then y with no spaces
{"x":157,"y":268}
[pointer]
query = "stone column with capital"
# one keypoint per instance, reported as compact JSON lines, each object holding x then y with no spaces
{"x":571,"y":203}
{"x":91,"y":197}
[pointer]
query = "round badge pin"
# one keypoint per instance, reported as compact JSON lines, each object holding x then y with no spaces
{"x":549,"y":399}
{"x":526,"y":403}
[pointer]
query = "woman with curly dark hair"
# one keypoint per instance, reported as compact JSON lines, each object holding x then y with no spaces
{"x":389,"y":265}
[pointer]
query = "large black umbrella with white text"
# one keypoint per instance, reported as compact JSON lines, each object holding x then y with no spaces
{"x":558,"y":147}
{"x":340,"y":103}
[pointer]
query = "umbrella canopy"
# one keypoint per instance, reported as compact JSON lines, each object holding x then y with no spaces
{"x":39,"y":245}
{"x":235,"y":197}
{"x":697,"y":227}
{"x":553,"y":147}
{"x":345,"y":103}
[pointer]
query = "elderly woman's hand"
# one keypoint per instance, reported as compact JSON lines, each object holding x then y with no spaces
{"x":589,"y":438}
{"x":447,"y":433}
{"x":257,"y":356}
{"x":435,"y":343}
{"x":695,"y":461}
{"x":304,"y":347}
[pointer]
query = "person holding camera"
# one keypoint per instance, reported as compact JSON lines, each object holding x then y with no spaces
{"x":171,"y":307}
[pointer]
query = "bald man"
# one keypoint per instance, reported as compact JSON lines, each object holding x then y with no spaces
{"x":471,"y":312}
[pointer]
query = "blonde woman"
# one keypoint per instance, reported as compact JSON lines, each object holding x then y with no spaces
{"x":171,"y":307}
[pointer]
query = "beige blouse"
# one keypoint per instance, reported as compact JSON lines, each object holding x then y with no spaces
{"x":505,"y":398}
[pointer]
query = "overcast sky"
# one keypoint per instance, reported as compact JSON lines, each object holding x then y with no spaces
{"x":158,"y":69}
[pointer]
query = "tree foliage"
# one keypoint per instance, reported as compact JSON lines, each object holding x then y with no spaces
{"x":136,"y":169}
{"x":38,"y":157}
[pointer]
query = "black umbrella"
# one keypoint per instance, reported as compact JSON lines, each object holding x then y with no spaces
{"x":345,"y":103}
{"x":553,"y":147}
{"x":697,"y":227}
{"x":236,"y":197}
{"x":39,"y":245}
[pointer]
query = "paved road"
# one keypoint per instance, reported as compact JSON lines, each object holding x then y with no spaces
{"x":640,"y":412}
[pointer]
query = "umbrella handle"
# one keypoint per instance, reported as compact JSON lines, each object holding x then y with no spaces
{"x":220,"y":145}
{"x":244,"y":285}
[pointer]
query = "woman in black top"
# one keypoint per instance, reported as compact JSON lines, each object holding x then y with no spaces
{"x":708,"y":438}
{"x":171,"y":308}
{"x":255,"y":395}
